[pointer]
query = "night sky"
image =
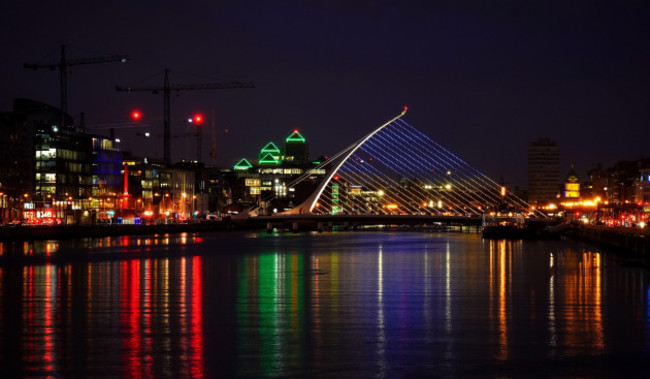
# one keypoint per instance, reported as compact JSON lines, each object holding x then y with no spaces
{"x":483,"y":78}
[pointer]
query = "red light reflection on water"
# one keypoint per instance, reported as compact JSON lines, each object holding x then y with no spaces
{"x":142,"y":292}
{"x":145,"y":306}
{"x":196,"y":328}
{"x":130,"y":310}
{"x":49,"y":327}
{"x":147,"y":314}
{"x":39,"y":314}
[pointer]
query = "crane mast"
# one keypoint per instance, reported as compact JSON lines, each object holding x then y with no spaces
{"x":167,"y":88}
{"x":63,"y":64}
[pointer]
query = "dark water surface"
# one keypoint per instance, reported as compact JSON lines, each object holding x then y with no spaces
{"x":352,"y":304}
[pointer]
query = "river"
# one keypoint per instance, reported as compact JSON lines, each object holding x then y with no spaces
{"x":336,"y":304}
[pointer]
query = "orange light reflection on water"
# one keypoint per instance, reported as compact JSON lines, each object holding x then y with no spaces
{"x":500,"y":282}
{"x":582,"y":296}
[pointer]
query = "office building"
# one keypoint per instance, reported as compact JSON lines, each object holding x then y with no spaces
{"x":543,"y":172}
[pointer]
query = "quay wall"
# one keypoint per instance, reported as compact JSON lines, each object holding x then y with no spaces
{"x":80,"y":231}
{"x":629,"y":240}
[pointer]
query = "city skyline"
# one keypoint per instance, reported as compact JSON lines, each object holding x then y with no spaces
{"x":484,"y":80}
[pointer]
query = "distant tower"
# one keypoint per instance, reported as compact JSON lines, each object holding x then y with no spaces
{"x":543,"y":172}
{"x":572,"y":185}
{"x":295,"y":148}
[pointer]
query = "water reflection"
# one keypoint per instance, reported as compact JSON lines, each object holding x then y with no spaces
{"x":502,"y":253}
{"x":513,"y":301}
{"x":357,"y":304}
{"x":574,"y":312}
{"x":52,"y":248}
{"x":73,"y":318}
{"x":270,"y":310}
{"x":579,"y":292}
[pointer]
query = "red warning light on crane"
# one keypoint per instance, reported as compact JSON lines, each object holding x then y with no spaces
{"x":198,"y":119}
{"x":136,"y":115}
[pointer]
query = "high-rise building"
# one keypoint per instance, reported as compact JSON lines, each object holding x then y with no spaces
{"x":61,"y":159}
{"x":543,"y":172}
{"x":296,"y":148}
{"x":48,"y":162}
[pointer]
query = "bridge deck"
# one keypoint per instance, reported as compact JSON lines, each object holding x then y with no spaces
{"x":366,"y":219}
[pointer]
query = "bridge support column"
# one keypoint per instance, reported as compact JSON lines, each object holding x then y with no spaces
{"x":346,"y":225}
{"x":294,"y":227}
{"x":269,"y":227}
{"x":320,"y":227}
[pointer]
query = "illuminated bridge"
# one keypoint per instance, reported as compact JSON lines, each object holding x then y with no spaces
{"x":398,"y":173}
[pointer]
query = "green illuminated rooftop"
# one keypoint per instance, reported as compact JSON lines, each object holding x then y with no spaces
{"x":243,"y":164}
{"x":269,"y":159}
{"x":270,"y":148}
{"x":295,"y":137}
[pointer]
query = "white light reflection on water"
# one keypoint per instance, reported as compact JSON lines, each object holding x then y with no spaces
{"x":449,"y":349}
{"x":381,"y":322}
{"x":552,"y":328}
{"x":428,"y":294}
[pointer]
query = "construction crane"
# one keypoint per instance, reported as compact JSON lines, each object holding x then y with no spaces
{"x":196,"y":134}
{"x":63,"y":64}
{"x":167,"y":89}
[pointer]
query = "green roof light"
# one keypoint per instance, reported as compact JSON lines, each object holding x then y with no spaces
{"x":269,"y":159}
{"x":270,"y":148}
{"x":243,"y":164}
{"x":296,"y":137}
